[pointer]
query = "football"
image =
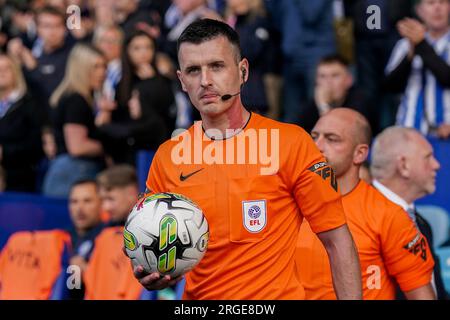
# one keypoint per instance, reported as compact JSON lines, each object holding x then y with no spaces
{"x":166,"y":233}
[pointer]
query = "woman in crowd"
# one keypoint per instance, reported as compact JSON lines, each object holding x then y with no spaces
{"x":79,"y":150}
{"x":20,"y":145}
{"x":145,"y":116}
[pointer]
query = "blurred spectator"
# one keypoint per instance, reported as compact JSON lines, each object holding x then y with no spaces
{"x":130,"y":18}
{"x":249,"y":19}
{"x":20,"y":144}
{"x":420,"y":67}
{"x":85,"y":213}
{"x":118,"y":191}
{"x":79,"y":153}
{"x":23,"y":24}
{"x":144,"y":117}
{"x":372,"y":49}
{"x":307,"y":36}
{"x":108,"y":275}
{"x":404,"y":170}
{"x":87,"y":25}
{"x":44,"y":64}
{"x":334,"y":88}
{"x":179,"y":15}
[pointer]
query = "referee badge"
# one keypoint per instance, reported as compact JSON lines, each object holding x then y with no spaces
{"x":255,"y":215}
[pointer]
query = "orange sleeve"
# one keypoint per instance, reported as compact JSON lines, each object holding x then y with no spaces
{"x":314,"y":185}
{"x":405,"y":250}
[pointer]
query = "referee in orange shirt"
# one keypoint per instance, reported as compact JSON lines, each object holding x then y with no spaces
{"x":254,"y":215}
{"x":391,"y":249}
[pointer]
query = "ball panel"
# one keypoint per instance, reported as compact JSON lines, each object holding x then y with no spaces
{"x":166,"y":233}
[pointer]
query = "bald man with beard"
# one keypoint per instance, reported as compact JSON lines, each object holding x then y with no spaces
{"x":391,"y":249}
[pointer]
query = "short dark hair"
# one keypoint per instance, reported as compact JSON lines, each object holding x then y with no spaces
{"x":118,"y":176}
{"x":207,"y":29}
{"x":334,"y":58}
{"x":54,"y":11}
{"x":83,"y":181}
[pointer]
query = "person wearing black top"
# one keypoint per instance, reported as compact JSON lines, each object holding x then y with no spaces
{"x":20,"y":143}
{"x":79,"y":152}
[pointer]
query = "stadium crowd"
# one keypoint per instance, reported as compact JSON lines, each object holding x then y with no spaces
{"x":81,"y":96}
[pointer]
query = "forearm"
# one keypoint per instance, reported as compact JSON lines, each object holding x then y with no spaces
{"x":434,"y":63}
{"x":397,"y":79}
{"x":28,"y":60}
{"x":425,"y":292}
{"x":86,"y":148}
{"x":312,"y":11}
{"x":344,"y":262}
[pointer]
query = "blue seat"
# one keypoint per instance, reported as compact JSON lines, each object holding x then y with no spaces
{"x":444,"y":257}
{"x":29,"y":212}
{"x":60,"y":290}
{"x":143,"y":161}
{"x":439,"y":220}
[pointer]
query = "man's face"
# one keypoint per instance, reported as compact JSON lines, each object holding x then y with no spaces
{"x":336,"y":78}
{"x":333,"y":138}
{"x":422,"y":165}
{"x":434,"y":13}
{"x":98,"y":73}
{"x":141,"y":50}
{"x":84,"y":206}
{"x":6,"y":74}
{"x":51,"y":29}
{"x":208,"y":71}
{"x":110,"y":44}
{"x":118,"y":202}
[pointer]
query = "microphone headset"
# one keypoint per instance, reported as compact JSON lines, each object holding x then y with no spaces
{"x":228,"y":96}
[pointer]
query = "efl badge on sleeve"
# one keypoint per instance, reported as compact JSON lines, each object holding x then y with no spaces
{"x":255,"y":215}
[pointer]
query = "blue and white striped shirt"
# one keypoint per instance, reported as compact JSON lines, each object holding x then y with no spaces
{"x":425,"y":103}
{"x":113,"y":76}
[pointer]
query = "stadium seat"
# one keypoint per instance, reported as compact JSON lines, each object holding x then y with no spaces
{"x":143,"y":161}
{"x":28,"y":212}
{"x":439,"y":220}
{"x":109,"y":275}
{"x":33,"y":266}
{"x":444,"y":257}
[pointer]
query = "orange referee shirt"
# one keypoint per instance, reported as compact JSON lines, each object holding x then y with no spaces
{"x":254,"y":219}
{"x":391,"y":249}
